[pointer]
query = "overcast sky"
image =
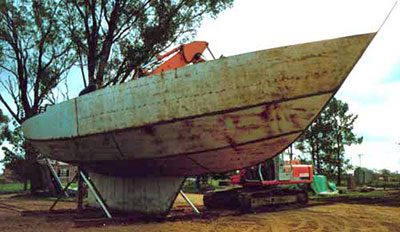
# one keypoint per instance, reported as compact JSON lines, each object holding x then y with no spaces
{"x":372,"y":89}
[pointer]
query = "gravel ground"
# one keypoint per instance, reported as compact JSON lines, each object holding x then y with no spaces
{"x":365,"y":213}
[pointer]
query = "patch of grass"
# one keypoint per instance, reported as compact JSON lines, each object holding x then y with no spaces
{"x":12,"y":187}
{"x":73,"y":185}
{"x":352,"y":195}
{"x":384,"y":198}
{"x":215,"y":183}
{"x":385,"y":184}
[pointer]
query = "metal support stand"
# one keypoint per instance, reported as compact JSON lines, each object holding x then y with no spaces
{"x":96,"y":194}
{"x":195,"y":210}
{"x":80,"y":192}
{"x":55,"y":176}
{"x":80,"y":175}
{"x":64,"y":191}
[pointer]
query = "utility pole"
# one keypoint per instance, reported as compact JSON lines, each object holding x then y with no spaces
{"x":359,"y":157}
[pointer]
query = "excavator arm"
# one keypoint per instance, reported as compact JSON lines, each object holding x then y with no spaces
{"x":183,"y":55}
{"x":179,"y":57}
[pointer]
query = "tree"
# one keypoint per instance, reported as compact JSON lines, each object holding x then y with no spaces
{"x":386,"y":174}
{"x":314,"y":139}
{"x":327,"y":137}
{"x":14,"y":157}
{"x":11,"y":160}
{"x":342,"y":132}
{"x":34,"y":58}
{"x":114,"y":38}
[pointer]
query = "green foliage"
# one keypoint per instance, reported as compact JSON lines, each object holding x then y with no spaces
{"x":14,"y":157}
{"x":327,"y":137}
{"x":11,"y":187}
{"x":385,"y":184}
{"x":314,"y":139}
{"x":35,"y":57}
{"x":114,"y":38}
{"x":35,"y":54}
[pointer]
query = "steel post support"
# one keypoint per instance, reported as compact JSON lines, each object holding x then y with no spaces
{"x":80,"y":191}
{"x":63,"y":192}
{"x":53,"y":172}
{"x":96,"y":194}
{"x":195,"y":210}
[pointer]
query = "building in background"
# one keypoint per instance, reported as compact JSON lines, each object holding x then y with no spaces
{"x":65,"y":172}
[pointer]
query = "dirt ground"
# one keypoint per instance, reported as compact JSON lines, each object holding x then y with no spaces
{"x":361,"y":213}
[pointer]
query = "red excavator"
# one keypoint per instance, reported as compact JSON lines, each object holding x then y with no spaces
{"x":273,"y":182}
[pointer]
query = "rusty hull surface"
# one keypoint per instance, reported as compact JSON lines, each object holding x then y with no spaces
{"x":215,"y":116}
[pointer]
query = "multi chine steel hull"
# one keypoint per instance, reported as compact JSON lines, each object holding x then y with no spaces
{"x":215,"y":116}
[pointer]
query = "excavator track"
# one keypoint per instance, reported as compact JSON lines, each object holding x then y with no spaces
{"x":250,"y":199}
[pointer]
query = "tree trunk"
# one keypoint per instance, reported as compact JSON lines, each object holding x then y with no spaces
{"x":313,"y":155}
{"x":33,"y":170}
{"x":198,"y":184}
{"x":339,"y":175}
{"x":38,"y":175}
{"x":317,"y":157}
{"x":80,"y":191}
{"x":339,"y":163}
{"x":318,"y":164}
{"x":313,"y":159}
{"x":330,"y":166}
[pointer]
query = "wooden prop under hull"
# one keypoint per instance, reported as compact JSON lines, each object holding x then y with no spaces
{"x":215,"y":116}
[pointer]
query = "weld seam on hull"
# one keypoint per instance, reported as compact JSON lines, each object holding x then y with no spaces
{"x":198,"y":164}
{"x":191,"y":117}
{"x":208,"y":150}
{"x":117,"y":146}
{"x":76,"y":113}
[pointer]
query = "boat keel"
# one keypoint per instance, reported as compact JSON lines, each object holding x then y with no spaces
{"x":144,"y":195}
